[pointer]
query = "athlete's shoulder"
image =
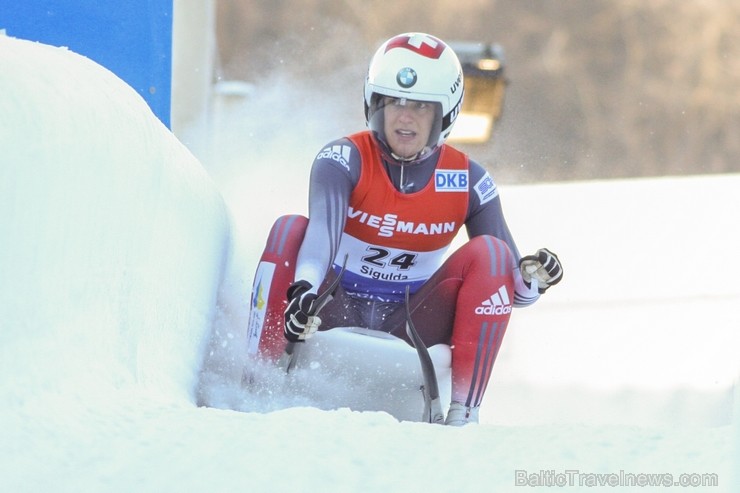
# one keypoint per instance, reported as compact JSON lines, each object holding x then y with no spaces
{"x":482,"y":185}
{"x":343,"y":155}
{"x":338,"y":151}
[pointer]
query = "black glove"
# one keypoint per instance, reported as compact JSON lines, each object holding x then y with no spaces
{"x":299,"y":325}
{"x":544,"y":267}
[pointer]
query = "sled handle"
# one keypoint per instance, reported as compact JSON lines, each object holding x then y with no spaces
{"x":287,"y":360}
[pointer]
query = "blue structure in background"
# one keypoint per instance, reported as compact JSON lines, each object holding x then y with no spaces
{"x":131,"y":38}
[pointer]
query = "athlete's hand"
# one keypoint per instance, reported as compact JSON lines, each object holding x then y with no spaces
{"x":544,"y":267}
{"x":299,"y":325}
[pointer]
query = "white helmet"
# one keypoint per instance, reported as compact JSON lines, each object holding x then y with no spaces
{"x":420,"y":67}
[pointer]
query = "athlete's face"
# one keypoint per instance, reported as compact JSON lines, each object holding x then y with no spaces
{"x":407,"y":125}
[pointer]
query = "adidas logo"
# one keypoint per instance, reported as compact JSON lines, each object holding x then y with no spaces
{"x":338,"y":153}
{"x":497,"y":304}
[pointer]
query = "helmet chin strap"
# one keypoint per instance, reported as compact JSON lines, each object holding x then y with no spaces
{"x":401,"y":185}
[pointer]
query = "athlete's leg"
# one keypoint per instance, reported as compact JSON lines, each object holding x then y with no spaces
{"x":467,"y":304}
{"x":482,"y":315}
{"x":275,"y":273}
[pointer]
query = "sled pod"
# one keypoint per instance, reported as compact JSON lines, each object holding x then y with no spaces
{"x":368,"y":370}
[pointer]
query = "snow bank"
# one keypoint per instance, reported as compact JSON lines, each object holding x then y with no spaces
{"x":113,"y":236}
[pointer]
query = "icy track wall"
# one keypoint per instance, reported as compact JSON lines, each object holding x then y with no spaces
{"x":113,"y":238}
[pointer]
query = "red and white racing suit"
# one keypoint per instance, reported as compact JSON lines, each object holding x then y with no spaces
{"x":394,"y":225}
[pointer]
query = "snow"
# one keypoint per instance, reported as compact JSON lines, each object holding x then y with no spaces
{"x":124,"y":273}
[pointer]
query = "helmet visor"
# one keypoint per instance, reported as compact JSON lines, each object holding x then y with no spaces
{"x":408,"y":128}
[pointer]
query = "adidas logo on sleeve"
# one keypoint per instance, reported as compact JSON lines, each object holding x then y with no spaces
{"x":498,"y":304}
{"x":340,"y":154}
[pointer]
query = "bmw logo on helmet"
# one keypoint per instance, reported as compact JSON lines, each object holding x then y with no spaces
{"x":406,"y":77}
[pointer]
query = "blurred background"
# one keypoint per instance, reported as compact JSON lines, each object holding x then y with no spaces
{"x":593,"y":88}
